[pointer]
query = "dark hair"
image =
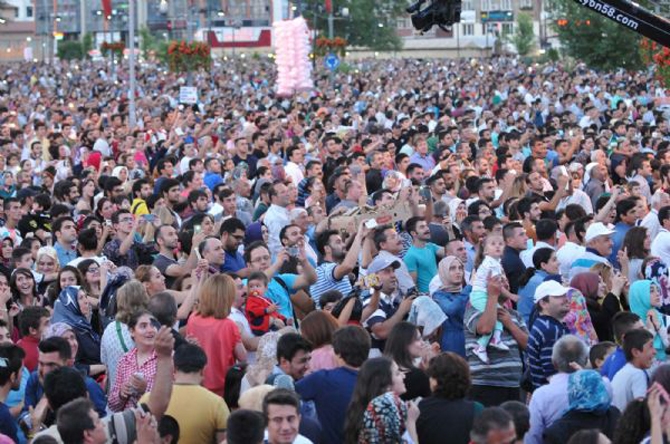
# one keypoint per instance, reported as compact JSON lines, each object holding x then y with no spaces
{"x":58,"y":345}
{"x":524,"y":205}
{"x":251,"y":247}
{"x":282,"y":232}
{"x":545,"y":229}
{"x":634,"y":423}
{"x":508,"y":229}
{"x":491,"y":418}
{"x":62,"y":385}
{"x":466,"y":224}
{"x":520,"y":415}
{"x":624,"y":206}
{"x":290,"y":344}
{"x":137,"y":186}
{"x":233,"y":385}
{"x":323,"y":239}
{"x":574,"y":212}
{"x":635,"y":340}
{"x":451,"y":374}
{"x":74,"y":419}
{"x":169,"y":426}
{"x":87,"y":239}
{"x":329,"y":296}
{"x":633,"y":241}
{"x":134,"y":318}
{"x":662,"y":376}
{"x":258,"y":276}
{"x":588,"y":436}
{"x":189,"y":358}
{"x":58,"y":223}
{"x":663,"y":214}
{"x":30,"y":318}
{"x":397,"y":344}
{"x":13,"y":354}
{"x":163,"y":307}
{"x":245,"y":427}
{"x":231,"y":225}
{"x":622,"y":323}
{"x":598,"y":352}
{"x":281,"y":396}
{"x":412,"y":222}
{"x":374,"y":379}
{"x":352,"y":344}
{"x":18,"y":253}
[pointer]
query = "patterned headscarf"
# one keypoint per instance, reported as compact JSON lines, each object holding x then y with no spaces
{"x":578,"y":320}
{"x":587,"y":392}
{"x":657,"y":272}
{"x":384,"y":420}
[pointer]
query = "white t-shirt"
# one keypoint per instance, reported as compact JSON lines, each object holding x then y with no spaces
{"x":238,"y":317}
{"x":489,"y":267}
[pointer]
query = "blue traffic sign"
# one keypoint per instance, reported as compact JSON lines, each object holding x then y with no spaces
{"x":331,"y":61}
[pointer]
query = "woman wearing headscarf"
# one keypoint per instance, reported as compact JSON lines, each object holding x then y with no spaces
{"x":589,"y":407}
{"x":645,"y":298}
{"x":73,"y":308}
{"x":602,"y":305}
{"x":452,"y":298}
{"x":578,"y":320}
{"x":656,"y":271}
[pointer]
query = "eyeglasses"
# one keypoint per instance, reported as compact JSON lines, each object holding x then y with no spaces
{"x":93,"y":270}
{"x":260,"y":259}
{"x":126,"y":219}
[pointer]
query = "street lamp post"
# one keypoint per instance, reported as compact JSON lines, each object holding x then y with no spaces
{"x":131,"y":63}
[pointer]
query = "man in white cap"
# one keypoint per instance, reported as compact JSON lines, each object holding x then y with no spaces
{"x":552,"y":305}
{"x":598,"y":240}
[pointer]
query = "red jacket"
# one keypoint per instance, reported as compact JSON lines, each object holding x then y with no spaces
{"x":259,"y":320}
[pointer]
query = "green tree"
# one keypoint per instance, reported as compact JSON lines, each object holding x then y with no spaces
{"x":594,"y":39}
{"x":70,"y":50}
{"x":524,"y":37}
{"x":148,"y":41}
{"x":87,"y":43}
{"x":370,"y":23}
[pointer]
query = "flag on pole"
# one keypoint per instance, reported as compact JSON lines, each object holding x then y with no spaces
{"x":107,"y":7}
{"x":329,"y":6}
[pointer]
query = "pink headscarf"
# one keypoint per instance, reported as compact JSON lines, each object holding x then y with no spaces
{"x":443,"y":272}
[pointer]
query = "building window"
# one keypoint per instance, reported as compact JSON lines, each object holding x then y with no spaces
{"x":525,"y":4}
{"x":467,"y":5}
{"x":468,"y":29}
{"x":486,"y":5}
{"x":506,"y":5}
{"x":402,"y":23}
{"x":29,"y":12}
{"x":507,"y":28}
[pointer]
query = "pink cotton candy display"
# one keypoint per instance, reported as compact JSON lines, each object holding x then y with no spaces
{"x":292,"y":48}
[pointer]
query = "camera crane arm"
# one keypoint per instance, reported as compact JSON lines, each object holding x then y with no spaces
{"x":444,"y":13}
{"x":632,"y":16}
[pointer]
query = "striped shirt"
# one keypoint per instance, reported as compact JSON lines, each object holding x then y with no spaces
{"x":505,"y":367}
{"x":544,"y":333}
{"x":325,"y":281}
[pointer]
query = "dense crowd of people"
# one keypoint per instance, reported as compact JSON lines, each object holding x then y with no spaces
{"x":462,"y":251}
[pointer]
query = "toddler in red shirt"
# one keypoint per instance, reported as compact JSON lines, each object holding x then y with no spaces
{"x":261,"y":312}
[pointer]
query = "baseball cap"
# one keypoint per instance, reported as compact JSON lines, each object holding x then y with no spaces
{"x":380,"y":263}
{"x":549,"y":288}
{"x":596,"y":229}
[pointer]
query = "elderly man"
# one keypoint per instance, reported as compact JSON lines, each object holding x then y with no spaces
{"x":598,"y":241}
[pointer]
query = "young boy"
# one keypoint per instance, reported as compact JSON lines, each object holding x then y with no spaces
{"x":632,"y":380}
{"x":261,"y":312}
{"x":599,"y":353}
{"x":622,"y":323}
{"x":32,"y":323}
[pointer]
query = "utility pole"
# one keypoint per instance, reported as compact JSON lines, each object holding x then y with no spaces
{"x":131,"y":63}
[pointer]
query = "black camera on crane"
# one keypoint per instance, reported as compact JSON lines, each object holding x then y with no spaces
{"x":442,"y":13}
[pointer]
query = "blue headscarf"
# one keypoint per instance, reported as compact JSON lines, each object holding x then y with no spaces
{"x":587,"y":392}
{"x":640,"y":303}
{"x":66,"y":309}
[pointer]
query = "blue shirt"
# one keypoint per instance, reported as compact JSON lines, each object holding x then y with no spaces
{"x":279,"y":295}
{"x":422,"y":261}
{"x":65,"y":255}
{"x":613,"y":363}
{"x":234,"y":262}
{"x":34,"y":392}
{"x":543,"y":335}
{"x":527,"y":295}
{"x":212,"y":180}
{"x":620,"y":230}
{"x":331,"y":392}
{"x":7,"y":424}
{"x":453,"y":305}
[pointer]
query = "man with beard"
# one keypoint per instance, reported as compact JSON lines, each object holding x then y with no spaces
{"x":167,"y":242}
{"x":420,"y":258}
{"x":232,"y":236}
{"x":170,"y":193}
{"x":338,"y":262}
